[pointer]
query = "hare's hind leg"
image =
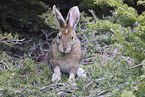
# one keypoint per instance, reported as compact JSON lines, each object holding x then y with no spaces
{"x":81,"y":73}
{"x":57,"y":74}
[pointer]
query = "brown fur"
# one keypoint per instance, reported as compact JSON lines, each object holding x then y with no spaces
{"x":68,"y":61}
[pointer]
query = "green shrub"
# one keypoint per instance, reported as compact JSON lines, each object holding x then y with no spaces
{"x":7,"y":40}
{"x":131,"y":38}
{"x":22,"y":77}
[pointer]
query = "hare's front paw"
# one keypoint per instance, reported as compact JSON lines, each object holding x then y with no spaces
{"x":71,"y":77}
{"x":56,"y":77}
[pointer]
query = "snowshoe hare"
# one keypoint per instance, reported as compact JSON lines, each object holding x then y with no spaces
{"x":65,"y":50}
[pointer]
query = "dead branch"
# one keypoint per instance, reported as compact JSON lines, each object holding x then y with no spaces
{"x":135,"y":66}
{"x":93,"y":13}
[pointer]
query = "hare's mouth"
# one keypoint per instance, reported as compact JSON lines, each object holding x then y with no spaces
{"x":65,"y":50}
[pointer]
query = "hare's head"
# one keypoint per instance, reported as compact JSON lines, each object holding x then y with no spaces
{"x":66,"y":38}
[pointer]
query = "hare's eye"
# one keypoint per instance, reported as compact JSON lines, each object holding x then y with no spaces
{"x":72,"y":37}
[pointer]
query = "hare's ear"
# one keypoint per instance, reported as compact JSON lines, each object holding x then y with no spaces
{"x":73,"y":17}
{"x":60,"y":19}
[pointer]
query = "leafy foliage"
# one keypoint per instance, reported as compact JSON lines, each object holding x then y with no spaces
{"x":141,"y":2}
{"x":7,"y":40}
{"x":49,"y":18}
